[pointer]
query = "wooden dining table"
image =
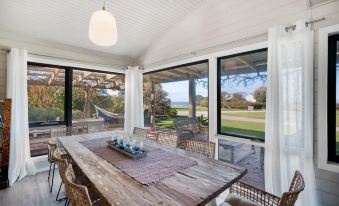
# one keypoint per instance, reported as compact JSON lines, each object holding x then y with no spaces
{"x":196,"y":185}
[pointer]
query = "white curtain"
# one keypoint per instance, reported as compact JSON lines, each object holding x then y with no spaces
{"x":134,"y":116}
{"x":289,"y":116}
{"x":20,"y":163}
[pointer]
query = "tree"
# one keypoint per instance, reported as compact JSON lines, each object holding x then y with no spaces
{"x":237,"y":97}
{"x":260,"y":94}
{"x":162,"y":104}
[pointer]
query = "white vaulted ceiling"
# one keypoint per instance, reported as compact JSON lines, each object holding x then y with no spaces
{"x":140,"y":22}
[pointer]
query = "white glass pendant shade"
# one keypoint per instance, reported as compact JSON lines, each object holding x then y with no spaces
{"x":103,"y":28}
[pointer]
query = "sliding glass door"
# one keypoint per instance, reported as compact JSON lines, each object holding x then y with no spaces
{"x":58,"y":96}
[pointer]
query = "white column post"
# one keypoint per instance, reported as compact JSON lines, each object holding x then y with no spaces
{"x":212,"y":100}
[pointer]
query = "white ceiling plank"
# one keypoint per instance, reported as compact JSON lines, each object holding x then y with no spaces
{"x":140,"y":22}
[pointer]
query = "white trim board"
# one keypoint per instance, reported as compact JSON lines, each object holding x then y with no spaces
{"x":62,"y":62}
{"x":322,"y":99}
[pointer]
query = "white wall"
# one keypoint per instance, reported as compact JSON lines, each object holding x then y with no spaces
{"x":226,"y":24}
{"x":3,"y":73}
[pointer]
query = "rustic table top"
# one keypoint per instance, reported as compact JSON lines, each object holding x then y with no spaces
{"x":196,"y":185}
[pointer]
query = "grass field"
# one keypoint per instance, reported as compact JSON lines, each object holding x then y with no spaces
{"x":256,"y":115}
{"x":254,"y":129}
{"x":167,"y":123}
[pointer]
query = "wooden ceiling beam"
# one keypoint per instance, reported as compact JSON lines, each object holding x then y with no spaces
{"x":103,"y":79}
{"x":247,"y":62}
{"x":54,"y":74}
{"x":81,"y":77}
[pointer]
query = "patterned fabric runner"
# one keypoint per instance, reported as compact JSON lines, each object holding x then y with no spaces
{"x":157,"y":165}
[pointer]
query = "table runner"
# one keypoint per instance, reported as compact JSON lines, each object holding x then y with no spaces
{"x":157,"y":165}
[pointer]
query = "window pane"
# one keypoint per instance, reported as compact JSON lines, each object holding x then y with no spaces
{"x":242,"y":97}
{"x":249,"y":156}
{"x":97,"y":100}
{"x":46,"y":103}
{"x":179,"y":92}
{"x":46,"y":94}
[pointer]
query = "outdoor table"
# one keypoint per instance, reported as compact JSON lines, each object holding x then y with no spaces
{"x":196,"y":185}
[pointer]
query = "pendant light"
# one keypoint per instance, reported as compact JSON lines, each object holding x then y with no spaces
{"x":103,"y":28}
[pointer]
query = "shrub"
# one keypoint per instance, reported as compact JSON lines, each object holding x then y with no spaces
{"x":173,"y":113}
{"x":42,"y":114}
{"x":77,"y":114}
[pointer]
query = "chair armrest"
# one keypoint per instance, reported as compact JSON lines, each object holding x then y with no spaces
{"x":254,"y":194}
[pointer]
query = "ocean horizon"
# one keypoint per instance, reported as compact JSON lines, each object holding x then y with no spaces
{"x":179,"y":103}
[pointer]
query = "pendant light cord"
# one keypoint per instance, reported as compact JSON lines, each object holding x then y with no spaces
{"x":104,"y":6}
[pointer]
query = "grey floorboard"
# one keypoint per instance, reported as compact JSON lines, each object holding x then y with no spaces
{"x":32,"y":190}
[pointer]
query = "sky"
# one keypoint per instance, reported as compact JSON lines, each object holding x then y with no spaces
{"x":178,"y":91}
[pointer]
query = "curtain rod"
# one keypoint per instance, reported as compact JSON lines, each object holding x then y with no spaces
{"x":6,"y":50}
{"x":306,"y":24}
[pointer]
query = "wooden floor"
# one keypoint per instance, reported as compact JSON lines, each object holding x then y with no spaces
{"x":33,"y":191}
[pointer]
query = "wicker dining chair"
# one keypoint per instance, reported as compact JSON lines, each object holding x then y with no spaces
{"x":62,"y":161}
{"x":78,"y":194}
{"x":140,"y":132}
{"x":200,"y":147}
{"x":52,"y":145}
{"x":167,"y":138}
{"x":248,"y":195}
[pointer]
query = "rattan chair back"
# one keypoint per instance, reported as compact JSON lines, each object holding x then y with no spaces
{"x":186,"y":123}
{"x":167,"y":138}
{"x":140,"y":132}
{"x":52,"y":145}
{"x":78,"y":194}
{"x":199,"y":147}
{"x":298,"y":184}
{"x":62,"y":162}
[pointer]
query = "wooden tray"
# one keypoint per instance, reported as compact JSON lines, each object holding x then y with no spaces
{"x":132,"y":156}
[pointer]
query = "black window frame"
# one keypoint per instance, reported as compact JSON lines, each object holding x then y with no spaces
{"x":186,"y":65}
{"x":331,"y":98}
{"x":219,"y":131}
{"x":68,"y":93}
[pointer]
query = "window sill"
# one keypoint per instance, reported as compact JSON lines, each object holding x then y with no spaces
{"x":329,"y":166}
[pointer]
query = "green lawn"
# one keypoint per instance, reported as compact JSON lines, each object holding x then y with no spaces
{"x":337,"y":118}
{"x":167,"y":123}
{"x":256,"y":115}
{"x":245,"y":128}
{"x":337,"y":145}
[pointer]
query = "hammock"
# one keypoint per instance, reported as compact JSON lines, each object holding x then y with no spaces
{"x":106,"y":115}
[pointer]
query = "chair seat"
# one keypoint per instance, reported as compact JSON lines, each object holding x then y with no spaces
{"x":235,"y":200}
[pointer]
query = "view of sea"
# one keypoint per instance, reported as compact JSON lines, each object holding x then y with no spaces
{"x":179,"y":103}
